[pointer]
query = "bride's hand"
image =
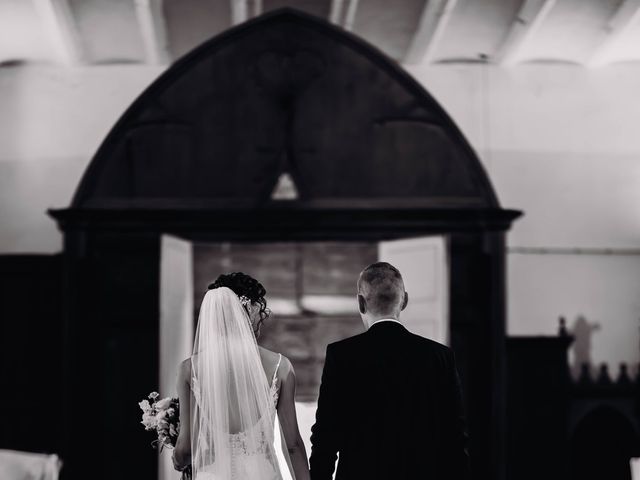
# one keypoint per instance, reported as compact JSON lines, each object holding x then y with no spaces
{"x":176,"y":465}
{"x":185,"y":469}
{"x":181,"y":455}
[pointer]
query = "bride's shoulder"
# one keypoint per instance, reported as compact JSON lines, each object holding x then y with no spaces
{"x":184,"y":369}
{"x":269,"y":354}
{"x":276,"y":359}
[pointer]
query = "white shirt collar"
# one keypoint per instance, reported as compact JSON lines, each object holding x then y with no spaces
{"x":385,"y":320}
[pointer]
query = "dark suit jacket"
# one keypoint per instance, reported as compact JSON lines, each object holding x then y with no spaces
{"x":390,"y":404}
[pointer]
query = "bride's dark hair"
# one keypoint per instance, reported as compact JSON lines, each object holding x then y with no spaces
{"x":247,"y":286}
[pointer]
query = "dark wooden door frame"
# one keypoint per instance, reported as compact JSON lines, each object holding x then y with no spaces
{"x":132,"y":237}
{"x":198,"y":155}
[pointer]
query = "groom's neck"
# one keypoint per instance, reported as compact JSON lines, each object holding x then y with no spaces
{"x":370,"y":320}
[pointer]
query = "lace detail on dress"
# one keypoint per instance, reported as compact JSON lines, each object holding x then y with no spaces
{"x":238,"y":440}
{"x":275,"y":392}
{"x":239,"y":447}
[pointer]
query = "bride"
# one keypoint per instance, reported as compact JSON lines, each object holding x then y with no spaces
{"x":237,"y":410}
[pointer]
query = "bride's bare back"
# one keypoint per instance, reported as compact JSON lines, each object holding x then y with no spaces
{"x":271,"y":361}
{"x":285,"y":386}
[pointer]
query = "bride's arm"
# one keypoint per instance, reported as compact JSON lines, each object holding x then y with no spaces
{"x":289,"y":424}
{"x":182,"y":450}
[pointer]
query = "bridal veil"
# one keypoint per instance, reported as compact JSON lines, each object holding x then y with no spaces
{"x":233,"y":415}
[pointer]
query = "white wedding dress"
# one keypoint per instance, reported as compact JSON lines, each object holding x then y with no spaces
{"x":235,"y":432}
{"x":252,"y":463}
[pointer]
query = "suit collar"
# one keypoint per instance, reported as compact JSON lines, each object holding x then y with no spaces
{"x":386,"y":325}
{"x":384,"y":320}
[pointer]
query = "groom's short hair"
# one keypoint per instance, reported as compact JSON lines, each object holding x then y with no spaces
{"x":382,"y":287}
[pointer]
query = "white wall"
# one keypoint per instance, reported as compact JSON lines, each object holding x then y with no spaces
{"x":560,"y":142}
{"x":52,"y":120}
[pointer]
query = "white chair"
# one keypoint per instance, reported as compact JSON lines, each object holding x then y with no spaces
{"x":15,"y":465}
{"x":635,"y":468}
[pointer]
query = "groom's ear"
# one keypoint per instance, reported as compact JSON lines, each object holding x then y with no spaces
{"x":362,"y":304}
{"x":405,"y":301}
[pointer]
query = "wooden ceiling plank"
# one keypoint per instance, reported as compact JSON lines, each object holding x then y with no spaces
{"x":350,"y":15}
{"x":61,"y":28}
{"x":435,"y":17}
{"x":335,"y":14}
{"x":153,"y":30}
{"x":626,"y":17}
{"x":257,"y":8}
{"x":531,"y":15}
{"x":239,"y":11}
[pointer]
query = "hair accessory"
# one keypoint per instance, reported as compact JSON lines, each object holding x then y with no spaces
{"x":244,"y":300}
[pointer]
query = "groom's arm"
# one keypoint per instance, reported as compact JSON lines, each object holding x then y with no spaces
{"x":324,"y":433}
{"x":457,"y":438}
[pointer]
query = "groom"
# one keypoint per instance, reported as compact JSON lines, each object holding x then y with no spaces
{"x":390,"y":401}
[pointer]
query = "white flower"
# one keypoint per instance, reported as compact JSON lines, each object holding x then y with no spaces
{"x":149,"y":421}
{"x":153,"y":395}
{"x":144,"y":406}
{"x":163,"y":404}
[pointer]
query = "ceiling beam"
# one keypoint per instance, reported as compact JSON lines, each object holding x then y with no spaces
{"x":60,"y":25}
{"x":153,"y":30}
{"x":433,"y":21}
{"x":343,"y":13}
{"x":335,"y":14}
{"x":257,"y":7}
{"x":350,"y":15}
{"x":239,"y":11}
{"x":531,"y":15}
{"x":626,"y":16}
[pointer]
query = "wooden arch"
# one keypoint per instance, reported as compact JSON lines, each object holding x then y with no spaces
{"x":602,"y":444}
{"x":285,"y":92}
{"x":372,"y":156}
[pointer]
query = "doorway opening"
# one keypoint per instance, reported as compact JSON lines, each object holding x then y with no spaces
{"x":311,"y":292}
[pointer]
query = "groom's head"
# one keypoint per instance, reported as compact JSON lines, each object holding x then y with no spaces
{"x":381,"y":292}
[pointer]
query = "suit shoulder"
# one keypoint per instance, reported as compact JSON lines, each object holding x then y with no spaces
{"x":345,"y":343}
{"x":432,"y":345}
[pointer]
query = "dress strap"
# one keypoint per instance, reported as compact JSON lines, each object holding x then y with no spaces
{"x":275,"y":374}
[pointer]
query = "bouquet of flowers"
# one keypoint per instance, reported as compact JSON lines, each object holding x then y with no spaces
{"x":163,"y":417}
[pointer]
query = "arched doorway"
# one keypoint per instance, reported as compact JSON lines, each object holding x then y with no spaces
{"x":370,"y":155}
{"x":602,"y":445}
